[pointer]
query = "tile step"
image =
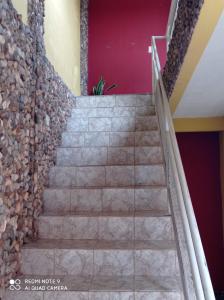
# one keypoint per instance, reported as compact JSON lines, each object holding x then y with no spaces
{"x":90,"y":156}
{"x":110,"y":176}
{"x":100,"y":261}
{"x":107,"y":226}
{"x":114,"y":101}
{"x":144,"y":110}
{"x":120,"y":124}
{"x":105,"y":199}
{"x":111,"y":139}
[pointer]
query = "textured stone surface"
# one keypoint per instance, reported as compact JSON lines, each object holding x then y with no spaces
{"x":34,"y":106}
{"x":187,"y":17}
{"x":84,"y":4}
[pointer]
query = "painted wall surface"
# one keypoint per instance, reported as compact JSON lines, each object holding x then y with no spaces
{"x":201,"y":160}
{"x":62,"y":39}
{"x":21,"y":6}
{"x":119,"y":35}
{"x":221,"y":143}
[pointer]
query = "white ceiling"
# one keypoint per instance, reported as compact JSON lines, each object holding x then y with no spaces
{"x":204,"y":95}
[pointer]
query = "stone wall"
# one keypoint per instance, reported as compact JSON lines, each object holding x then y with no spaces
{"x":187,"y":16}
{"x":34,"y":106}
{"x":84,"y":19}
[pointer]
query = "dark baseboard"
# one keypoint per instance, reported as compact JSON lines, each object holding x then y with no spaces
{"x":219,"y":295}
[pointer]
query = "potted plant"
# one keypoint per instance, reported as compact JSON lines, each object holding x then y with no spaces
{"x":100,"y":88}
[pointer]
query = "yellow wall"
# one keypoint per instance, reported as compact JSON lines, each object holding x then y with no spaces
{"x":208,"y":19}
{"x":62,"y":39}
{"x":21,"y":7}
{"x":198,"y":124}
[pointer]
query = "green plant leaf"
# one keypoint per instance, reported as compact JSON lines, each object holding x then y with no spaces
{"x":100,"y":86}
{"x":113,"y":86}
{"x":94,"y":90}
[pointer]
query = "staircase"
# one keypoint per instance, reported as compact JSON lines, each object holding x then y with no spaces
{"x":106,"y":232}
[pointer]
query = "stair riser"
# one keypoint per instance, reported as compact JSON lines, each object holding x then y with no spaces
{"x":62,"y":201}
{"x":112,"y":124}
{"x":113,"y":112}
{"x":117,"y":295}
{"x":110,"y":176}
{"x":78,"y":262}
{"x":105,"y":228}
{"x":114,"y":101}
{"x":112,"y":139}
{"x":108,"y":156}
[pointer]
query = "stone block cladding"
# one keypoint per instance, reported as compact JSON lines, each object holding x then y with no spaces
{"x":187,"y":17}
{"x":34,"y":106}
{"x":84,"y":6}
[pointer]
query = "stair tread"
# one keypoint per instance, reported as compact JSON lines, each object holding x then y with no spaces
{"x":144,"y":213}
{"x":110,"y":165}
{"x":113,"y":147}
{"x":115,"y":131}
{"x":110,"y":139}
{"x":112,"y":131}
{"x":101,"y":244}
{"x":113,"y":283}
{"x":132,"y":187}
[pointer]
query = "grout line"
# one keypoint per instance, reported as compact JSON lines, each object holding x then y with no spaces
{"x":70,"y":193}
{"x":54,"y":262}
{"x":101,"y":198}
{"x":107,"y":155}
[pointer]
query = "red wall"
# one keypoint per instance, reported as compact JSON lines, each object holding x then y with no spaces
{"x":119,"y":35}
{"x":200,"y":155}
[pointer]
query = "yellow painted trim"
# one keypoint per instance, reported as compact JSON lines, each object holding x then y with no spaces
{"x":198,"y":124}
{"x":208,"y":19}
{"x":221,"y":149}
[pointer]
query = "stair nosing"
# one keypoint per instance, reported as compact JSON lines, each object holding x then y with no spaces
{"x":111,"y":214}
{"x":116,"y":165}
{"x":81,"y":147}
{"x":71,"y":187}
{"x":110,"y":131}
{"x":131,"y":187}
{"x":97,"y":244}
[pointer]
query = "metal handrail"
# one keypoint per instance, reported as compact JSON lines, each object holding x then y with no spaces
{"x":199,"y":268}
{"x":171,"y":20}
